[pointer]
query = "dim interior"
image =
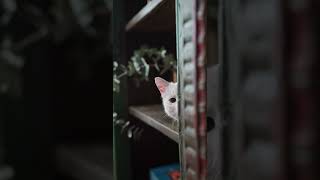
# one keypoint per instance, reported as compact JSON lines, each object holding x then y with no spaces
{"x":155,"y":146}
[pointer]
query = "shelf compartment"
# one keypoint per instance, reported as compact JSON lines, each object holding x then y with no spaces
{"x":155,"y":16}
{"x":154,"y":116}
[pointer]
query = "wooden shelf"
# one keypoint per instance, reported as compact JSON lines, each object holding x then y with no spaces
{"x":87,"y":161}
{"x":155,"y":16}
{"x":154,"y":116}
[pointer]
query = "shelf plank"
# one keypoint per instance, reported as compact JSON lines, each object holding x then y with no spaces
{"x":155,"y":16}
{"x":154,"y":116}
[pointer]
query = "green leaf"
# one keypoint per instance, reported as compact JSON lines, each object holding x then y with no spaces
{"x":131,"y":69}
{"x":136,"y":64}
{"x":115,"y":115}
{"x":115,"y":65}
{"x":163,"y":53}
{"x":146,"y":68}
{"x":164,"y":70}
{"x":123,"y":68}
{"x":116,"y":84}
{"x":157,"y":67}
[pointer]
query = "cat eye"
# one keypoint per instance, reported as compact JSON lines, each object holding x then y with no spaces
{"x":172,"y":100}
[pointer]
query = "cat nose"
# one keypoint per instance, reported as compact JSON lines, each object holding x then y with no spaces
{"x":172,"y":100}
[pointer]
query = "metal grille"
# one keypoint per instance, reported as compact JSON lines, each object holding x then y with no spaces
{"x":192,"y":74}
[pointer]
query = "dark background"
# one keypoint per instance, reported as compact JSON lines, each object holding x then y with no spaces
{"x":54,"y":56}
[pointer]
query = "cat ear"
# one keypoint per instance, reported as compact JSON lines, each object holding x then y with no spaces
{"x":161,"y":84}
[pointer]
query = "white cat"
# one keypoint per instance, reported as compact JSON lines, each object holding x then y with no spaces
{"x":168,"y":91}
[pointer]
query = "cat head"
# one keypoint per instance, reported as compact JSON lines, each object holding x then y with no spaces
{"x":168,"y":91}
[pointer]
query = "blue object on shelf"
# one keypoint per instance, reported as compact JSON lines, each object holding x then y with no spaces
{"x":166,"y":172}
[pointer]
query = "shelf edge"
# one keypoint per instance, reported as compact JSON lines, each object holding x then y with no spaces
{"x":143,"y":13}
{"x":174,"y":135}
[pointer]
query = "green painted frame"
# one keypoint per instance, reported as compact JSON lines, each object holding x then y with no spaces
{"x":121,"y":144}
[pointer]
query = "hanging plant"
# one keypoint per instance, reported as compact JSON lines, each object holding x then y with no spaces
{"x":141,"y":63}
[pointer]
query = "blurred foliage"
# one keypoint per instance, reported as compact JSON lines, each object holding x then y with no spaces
{"x":141,"y":63}
{"x":23,"y":23}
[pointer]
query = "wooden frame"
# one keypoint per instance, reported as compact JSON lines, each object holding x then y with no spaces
{"x":191,"y":33}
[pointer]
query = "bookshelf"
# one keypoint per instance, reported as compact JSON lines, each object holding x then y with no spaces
{"x":150,"y":23}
